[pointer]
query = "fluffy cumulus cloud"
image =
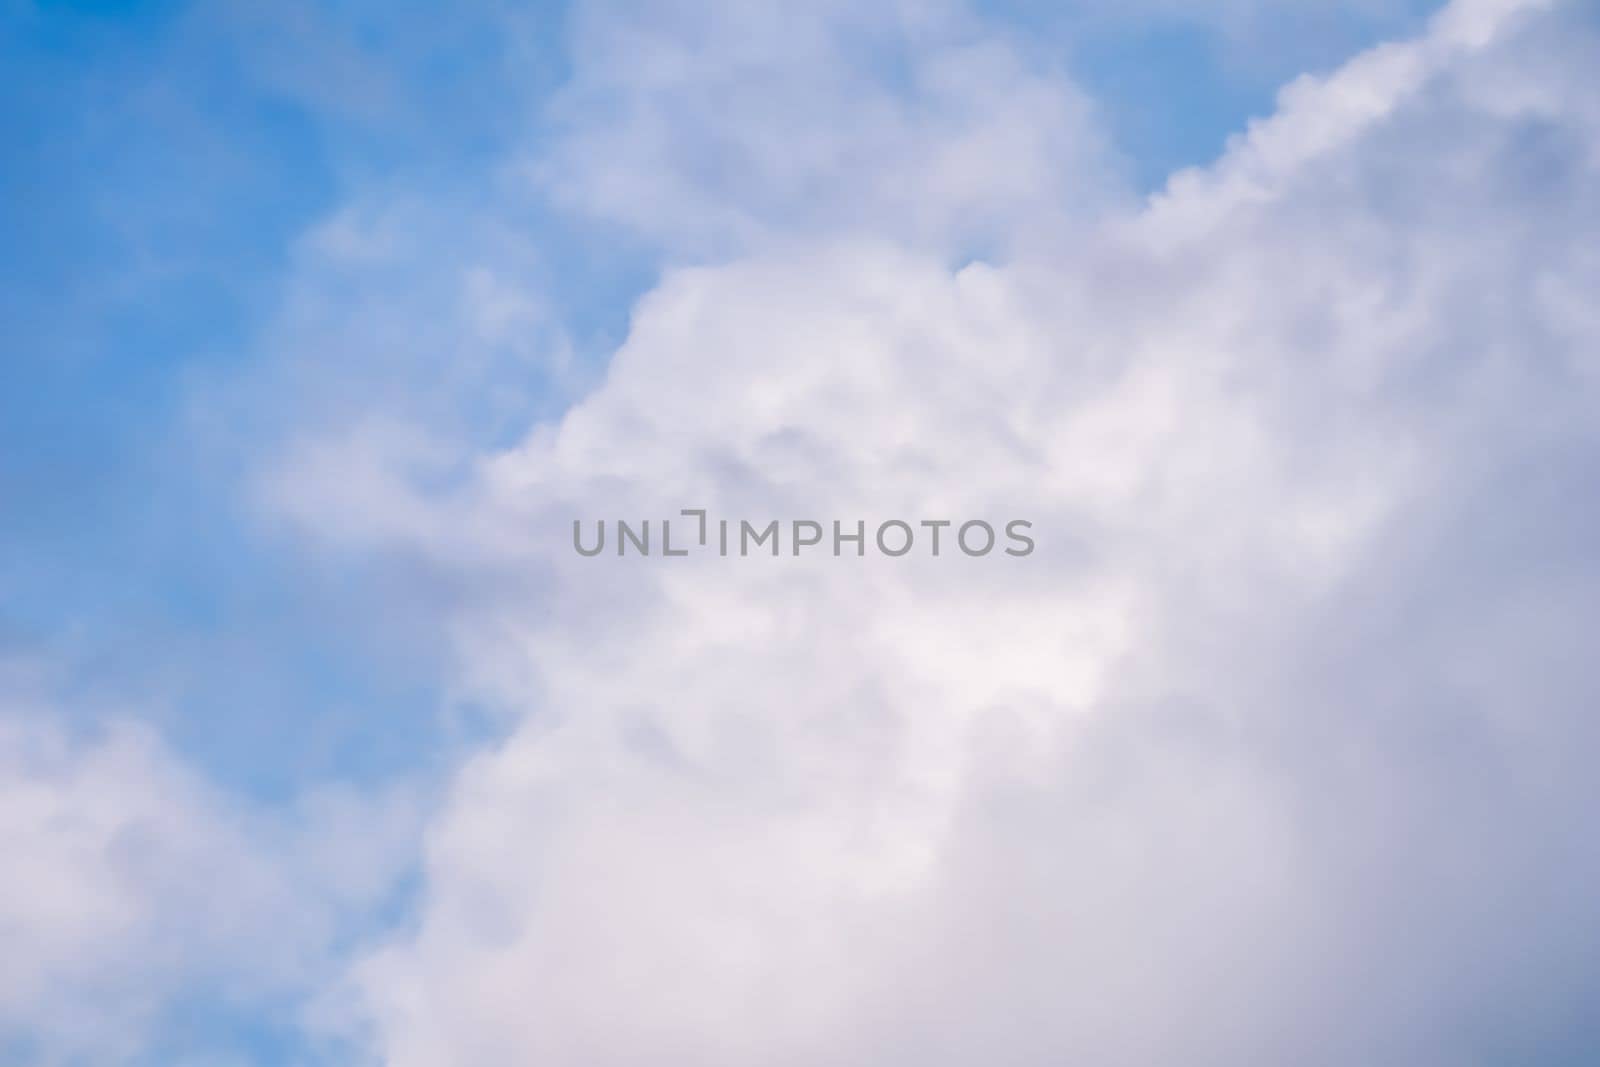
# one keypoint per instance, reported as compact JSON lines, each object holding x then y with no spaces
{"x":1277,"y":748}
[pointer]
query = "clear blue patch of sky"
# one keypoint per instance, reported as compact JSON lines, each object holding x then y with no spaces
{"x":1167,"y":99}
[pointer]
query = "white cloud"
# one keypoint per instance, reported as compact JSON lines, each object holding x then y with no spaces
{"x":132,"y":886}
{"x":712,"y":129}
{"x":1274,"y":750}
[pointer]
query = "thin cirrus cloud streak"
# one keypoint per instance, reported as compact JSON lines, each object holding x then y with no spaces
{"x":1275,"y":748}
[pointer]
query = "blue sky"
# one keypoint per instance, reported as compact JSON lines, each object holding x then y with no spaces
{"x":162,"y":163}
{"x":159,"y":178}
{"x":309,"y":310}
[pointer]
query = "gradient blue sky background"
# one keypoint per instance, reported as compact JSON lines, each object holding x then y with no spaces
{"x":231,"y":231}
